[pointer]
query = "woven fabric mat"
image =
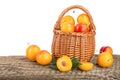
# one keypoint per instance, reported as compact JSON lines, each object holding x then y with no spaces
{"x":20,"y":68}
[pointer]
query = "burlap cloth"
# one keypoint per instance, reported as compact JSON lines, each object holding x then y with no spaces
{"x":20,"y":68}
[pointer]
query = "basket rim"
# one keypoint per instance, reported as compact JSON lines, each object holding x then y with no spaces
{"x":74,"y":33}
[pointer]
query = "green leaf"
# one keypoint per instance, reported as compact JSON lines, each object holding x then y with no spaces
{"x":75,"y":63}
{"x":54,"y":60}
{"x":53,"y":64}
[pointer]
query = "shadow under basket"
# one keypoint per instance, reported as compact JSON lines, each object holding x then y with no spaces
{"x":75,"y":44}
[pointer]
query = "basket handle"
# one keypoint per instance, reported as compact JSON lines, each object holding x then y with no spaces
{"x":72,"y":7}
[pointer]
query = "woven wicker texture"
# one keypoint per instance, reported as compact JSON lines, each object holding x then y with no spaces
{"x":74,"y":44}
{"x":20,"y":68}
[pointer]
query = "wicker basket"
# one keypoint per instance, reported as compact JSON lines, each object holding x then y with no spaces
{"x":76,"y":44}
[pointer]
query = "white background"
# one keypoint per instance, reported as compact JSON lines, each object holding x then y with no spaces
{"x":25,"y":22}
